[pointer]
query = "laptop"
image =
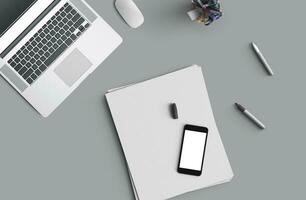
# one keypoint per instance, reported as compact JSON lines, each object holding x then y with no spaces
{"x":48,"y":47}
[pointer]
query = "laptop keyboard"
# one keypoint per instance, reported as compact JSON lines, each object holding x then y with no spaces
{"x":64,"y":28}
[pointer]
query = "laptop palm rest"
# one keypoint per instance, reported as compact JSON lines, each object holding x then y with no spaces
{"x":13,"y":77}
{"x":73,"y":67}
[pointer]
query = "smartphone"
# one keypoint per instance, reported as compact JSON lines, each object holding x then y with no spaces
{"x":192,"y":150}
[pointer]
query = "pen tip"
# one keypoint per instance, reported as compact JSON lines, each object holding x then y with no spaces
{"x":240,"y":107}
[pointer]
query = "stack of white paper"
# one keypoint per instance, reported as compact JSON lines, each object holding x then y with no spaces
{"x":151,"y":139}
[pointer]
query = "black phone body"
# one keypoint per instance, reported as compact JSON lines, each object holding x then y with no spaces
{"x":192,"y":150}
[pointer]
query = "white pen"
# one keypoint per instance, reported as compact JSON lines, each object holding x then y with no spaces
{"x":262,"y":59}
{"x":250,"y":116}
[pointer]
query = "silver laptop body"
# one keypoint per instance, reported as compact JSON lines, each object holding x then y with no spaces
{"x":48,"y":47}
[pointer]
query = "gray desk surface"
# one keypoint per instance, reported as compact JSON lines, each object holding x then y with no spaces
{"x":75,"y":154}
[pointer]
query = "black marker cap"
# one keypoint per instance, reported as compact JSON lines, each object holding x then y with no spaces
{"x":174,"y":111}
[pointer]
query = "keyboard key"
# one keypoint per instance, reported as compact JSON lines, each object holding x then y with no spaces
{"x":47,"y":54}
{"x":41,"y":52}
{"x":25,"y":51}
{"x":79,"y":23}
{"x":30,"y":81}
{"x":56,"y":54}
{"x":82,"y":28}
{"x":22,"y":71}
{"x":38,"y":63}
{"x":56,"y":28}
{"x":37,"y":72}
{"x":23,"y":62}
{"x":27,"y":74}
{"x":42,"y":68}
{"x":68,"y":8}
{"x":51,"y":50}
{"x":59,"y":42}
{"x":46,"y":31}
{"x":33,"y":76}
{"x":69,"y":16}
{"x":42,"y":35}
{"x":44,"y":41}
{"x":68,"y":33}
{"x":68,"y":42}
{"x":73,"y":12}
{"x":27,"y":58}
{"x":66,"y":27}
{"x":48,"y":37}
{"x":57,"y":35}
{"x":76,"y":17}
{"x":70,"y":23}
{"x":34,"y":67}
{"x":73,"y":37}
{"x":55,"y":46}
{"x":13,"y":64}
{"x":32,"y":53}
{"x":34,"y":43}
{"x":55,"y":22}
{"x":49,"y":44}
{"x":40,"y":45}
{"x":63,"y":38}
{"x":36,"y":49}
{"x":50,"y":26}
{"x":17,"y":60}
{"x":36,"y":56}
{"x":18,"y":67}
{"x":72,"y":29}
{"x":53,"y":40}
{"x":45,"y":48}
{"x":32,"y":61}
{"x":28,"y":65}
{"x":21,"y":55}
{"x":38,"y":39}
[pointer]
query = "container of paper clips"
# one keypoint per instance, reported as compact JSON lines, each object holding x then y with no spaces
{"x":205,"y":11}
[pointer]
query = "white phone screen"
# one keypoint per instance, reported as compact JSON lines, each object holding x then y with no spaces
{"x":193,"y":150}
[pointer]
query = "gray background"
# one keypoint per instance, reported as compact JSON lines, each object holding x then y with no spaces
{"x":75,"y":153}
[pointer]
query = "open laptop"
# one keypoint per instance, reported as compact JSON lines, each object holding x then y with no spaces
{"x":48,"y":47}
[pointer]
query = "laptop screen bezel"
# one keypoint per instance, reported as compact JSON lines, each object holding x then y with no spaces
{"x":23,"y":22}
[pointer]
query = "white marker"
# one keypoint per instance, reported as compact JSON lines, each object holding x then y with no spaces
{"x":250,"y":116}
{"x":262,"y":59}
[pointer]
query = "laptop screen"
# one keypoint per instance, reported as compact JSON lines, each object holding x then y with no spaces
{"x":11,"y":10}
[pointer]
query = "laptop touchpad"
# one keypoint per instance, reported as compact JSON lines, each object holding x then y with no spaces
{"x":73,"y":67}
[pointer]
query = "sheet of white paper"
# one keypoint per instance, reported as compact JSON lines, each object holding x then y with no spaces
{"x":151,"y":139}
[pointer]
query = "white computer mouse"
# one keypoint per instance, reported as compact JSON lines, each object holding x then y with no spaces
{"x":130,"y":12}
